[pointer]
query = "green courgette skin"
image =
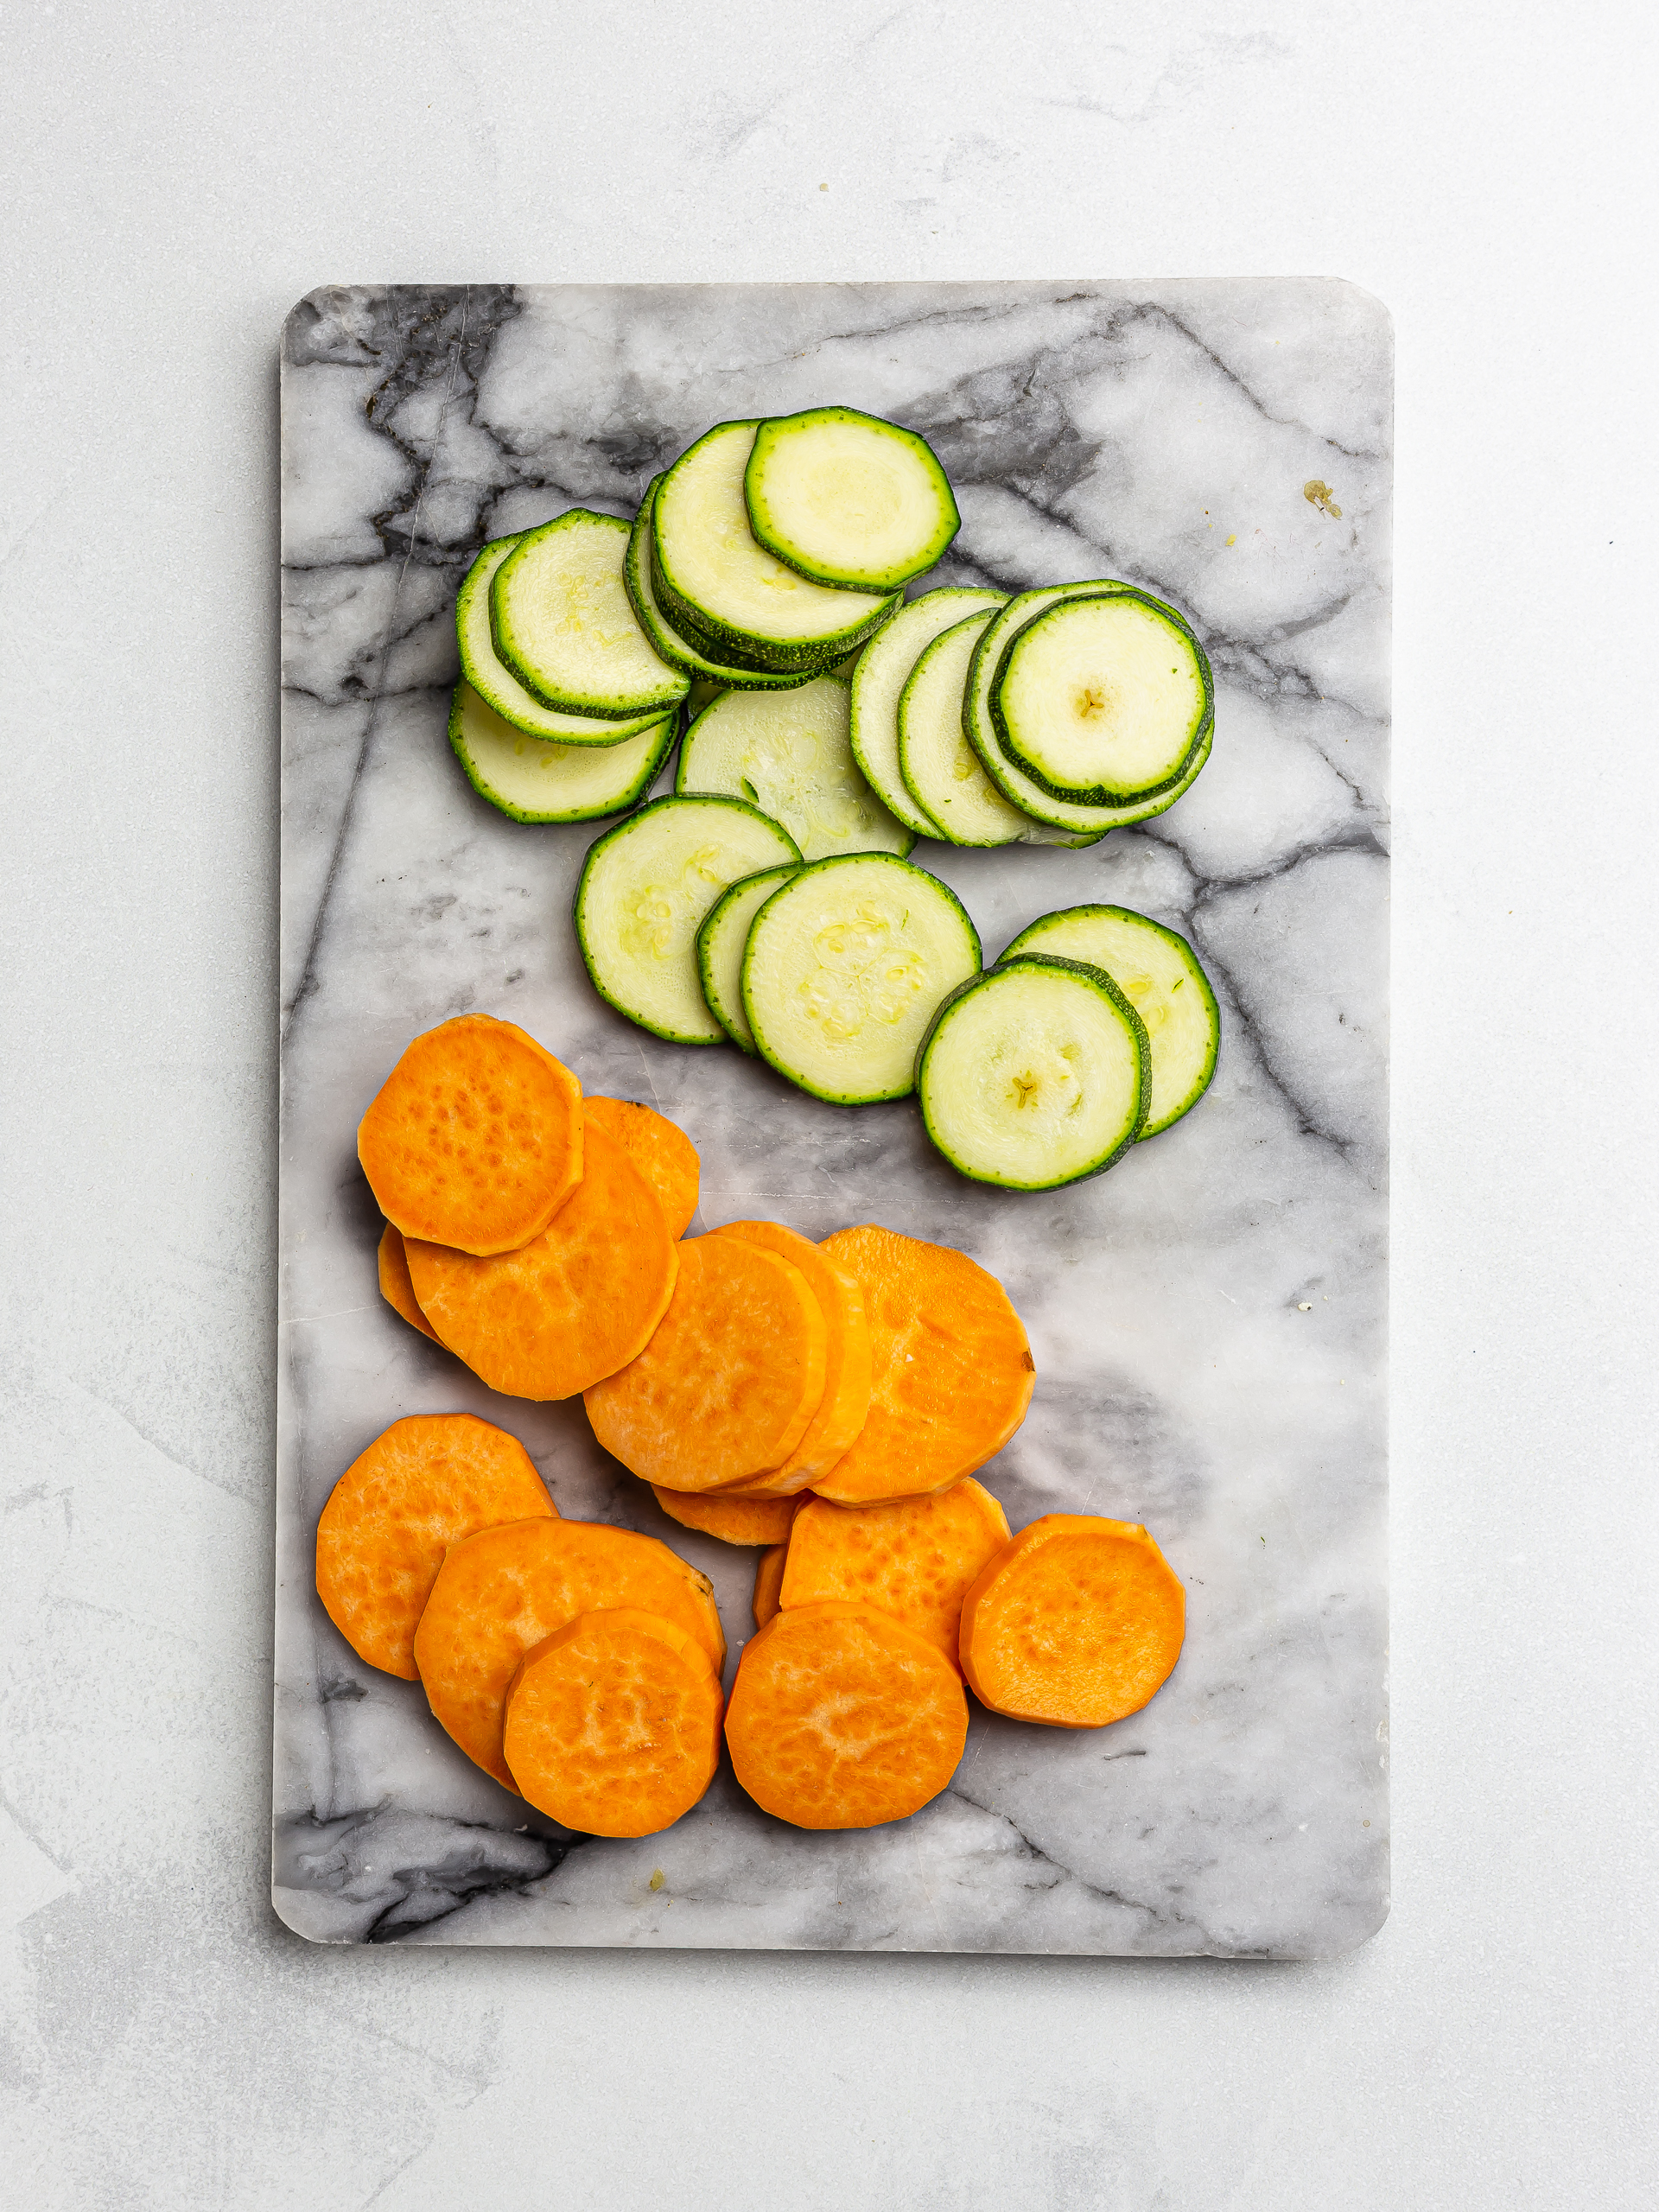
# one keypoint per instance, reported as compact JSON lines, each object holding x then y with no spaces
{"x":1109,"y":989}
{"x":683,"y":650}
{"x":779,"y":426}
{"x":665,"y":694}
{"x":1100,"y":794}
{"x":620,"y":802}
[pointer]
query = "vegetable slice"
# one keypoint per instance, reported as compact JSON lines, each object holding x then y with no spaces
{"x":789,"y":755}
{"x":424,"y":1484}
{"x":940,"y":768}
{"x":712,"y":578}
{"x":662,"y":1151}
{"x":722,"y":939}
{"x":485,"y":671}
{"x":848,"y":498}
{"x":1035,"y":1074}
{"x":474,"y":1139}
{"x":845,"y":970}
{"x":1076,"y":1623}
{"x":1102,"y":699}
{"x":733,"y":1519}
{"x":707,"y":669}
{"x":392,"y":1267}
{"x":726,"y":1387}
{"x":951,"y":1370}
{"x":576,"y":1304}
{"x":563,"y":621}
{"x":613,"y":1724}
{"x":916,"y":1558}
{"x":643,"y":891}
{"x":768,"y":1581}
{"x":844,"y":1718}
{"x":1159,"y":973}
{"x":537,"y":782}
{"x":498,"y":1593}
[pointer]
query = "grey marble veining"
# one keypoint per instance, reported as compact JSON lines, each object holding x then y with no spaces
{"x":1160,"y":432}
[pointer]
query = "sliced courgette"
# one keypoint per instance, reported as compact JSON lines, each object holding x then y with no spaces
{"x":1018,"y":788}
{"x":715,"y":584}
{"x":563,"y":621}
{"x":1103,"y":699}
{"x":788,"y":753}
{"x":846,"y":499}
{"x":721,"y":944}
{"x":1034,"y":1074}
{"x":645,"y":888}
{"x":939,"y":767}
{"x":1158,"y":972}
{"x":707,"y":672}
{"x":844,"y":967}
{"x":878,"y":680}
{"x":495,"y":682}
{"x":534,"y":781}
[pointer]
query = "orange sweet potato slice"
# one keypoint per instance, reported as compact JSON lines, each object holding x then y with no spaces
{"x":663,"y":1153}
{"x":914,"y":1557}
{"x":951,"y":1368}
{"x":733,"y":1520}
{"x":474,"y":1139}
{"x":425,"y":1484}
{"x":578,"y":1302}
{"x":613,"y":1724}
{"x":845,"y":1404}
{"x":395,"y":1286}
{"x":724,"y":1390}
{"x":841,"y":1717}
{"x":1075,"y":1623}
{"x":768,"y":1581}
{"x":498,"y":1593}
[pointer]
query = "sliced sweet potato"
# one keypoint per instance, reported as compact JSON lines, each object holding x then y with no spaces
{"x":845,"y":1404}
{"x":474,"y":1139}
{"x":951,"y":1368}
{"x":733,"y":1520}
{"x":843,"y":1718}
{"x":395,"y":1286}
{"x":724,"y":1390}
{"x":663,"y":1153}
{"x":576,"y":1303}
{"x":613,"y":1724}
{"x":914,"y":1557}
{"x":498,"y":1593}
{"x":1075,"y":1623}
{"x":425,"y":1484}
{"x":768,"y":1581}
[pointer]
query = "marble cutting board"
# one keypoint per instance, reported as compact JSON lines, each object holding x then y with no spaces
{"x":1208,"y":1320}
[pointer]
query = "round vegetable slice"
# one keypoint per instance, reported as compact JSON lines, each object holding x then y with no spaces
{"x":729,"y":1381}
{"x":843,"y":1718}
{"x":534,"y":781}
{"x":940,"y":768}
{"x":915,"y":1558}
{"x":643,"y":891}
{"x":572,"y":1305}
{"x":952,"y":1371}
{"x":474,"y":1139}
{"x":722,"y":938}
{"x":733,"y":1519}
{"x":1158,"y":972}
{"x":846,"y":499}
{"x":662,"y":1151}
{"x":844,"y":969}
{"x":1018,"y":788}
{"x":391,"y":1266}
{"x":1103,"y":699}
{"x":500,"y":1592}
{"x":1035,"y":1074}
{"x":845,"y":1405}
{"x":485,"y":671}
{"x":563,"y":621}
{"x":879,"y":679}
{"x":768,"y":1581}
{"x":790,"y":755}
{"x":613,"y":1724}
{"x":712,"y":579}
{"x":424,"y":1484}
{"x":1076,"y":1622}
{"x":710,"y":673}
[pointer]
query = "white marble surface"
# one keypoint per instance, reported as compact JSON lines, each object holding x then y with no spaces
{"x":1207,"y":1320}
{"x":176,"y":178}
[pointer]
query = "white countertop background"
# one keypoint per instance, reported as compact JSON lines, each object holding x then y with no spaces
{"x":173,"y":178}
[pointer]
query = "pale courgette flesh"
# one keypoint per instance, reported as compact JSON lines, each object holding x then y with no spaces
{"x":789,"y":755}
{"x":846,"y":499}
{"x":721,"y":942}
{"x":535,"y":781}
{"x":940,"y":768}
{"x":707,"y":672}
{"x":563,"y":622}
{"x":489,"y":676}
{"x":879,"y":679}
